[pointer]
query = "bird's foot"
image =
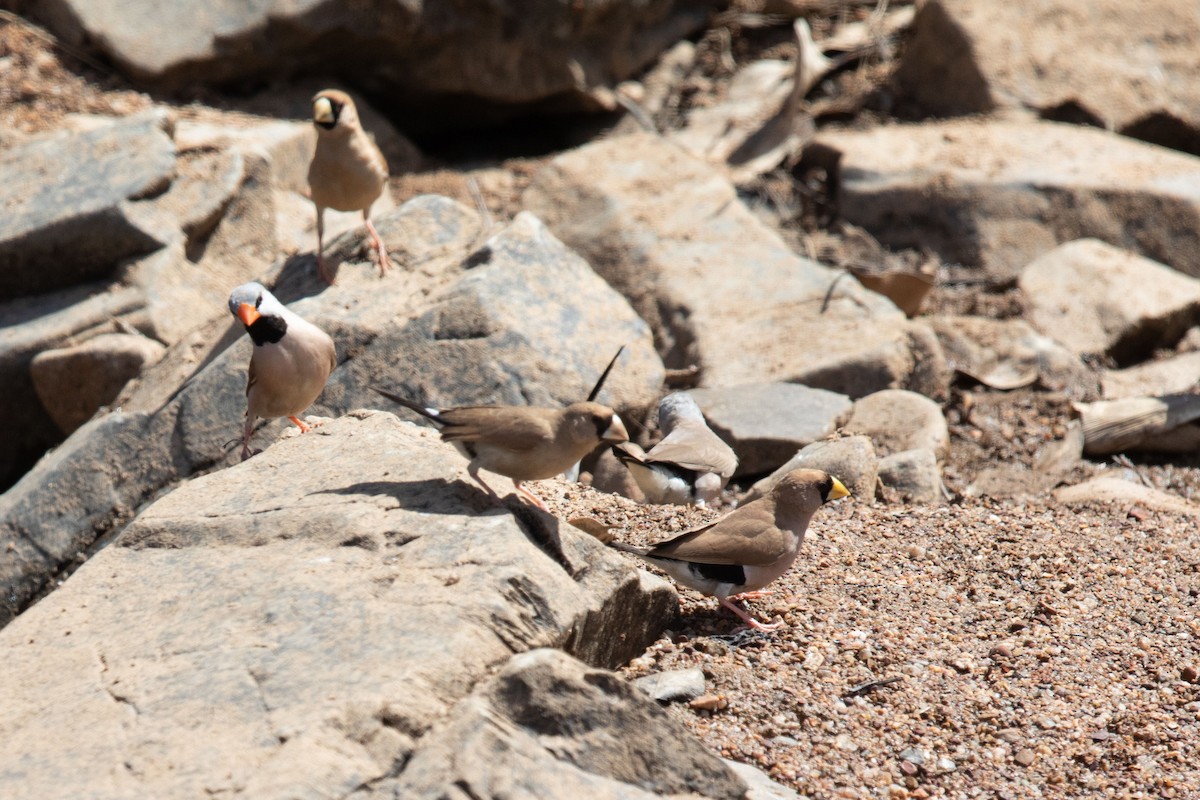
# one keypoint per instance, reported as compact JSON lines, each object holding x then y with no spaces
{"x":537,"y":501}
{"x":749,"y":620}
{"x":381,"y":252}
{"x":299,"y":424}
{"x":326,"y":272}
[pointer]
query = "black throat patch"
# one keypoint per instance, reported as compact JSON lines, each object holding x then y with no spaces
{"x":267,"y":330}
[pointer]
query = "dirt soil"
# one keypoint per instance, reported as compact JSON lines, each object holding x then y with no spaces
{"x":976,"y":649}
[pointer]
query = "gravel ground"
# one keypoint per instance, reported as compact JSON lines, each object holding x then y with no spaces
{"x":981,"y":649}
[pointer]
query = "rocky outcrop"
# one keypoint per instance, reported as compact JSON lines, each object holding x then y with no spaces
{"x":998,"y":194}
{"x":547,"y":726}
{"x":715,"y":283}
{"x":305,"y":618}
{"x":1120,"y":66}
{"x":502,"y":53}
{"x":181,"y":415}
{"x":70,"y":201}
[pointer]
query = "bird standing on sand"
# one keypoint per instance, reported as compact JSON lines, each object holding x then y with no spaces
{"x":347,"y":173}
{"x":520,"y":442}
{"x":690,"y":465}
{"x":739,"y":554}
{"x":292,"y":359}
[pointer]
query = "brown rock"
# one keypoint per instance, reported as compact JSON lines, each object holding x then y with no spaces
{"x":663,"y":228}
{"x":342,"y":592}
{"x":73,"y":382}
{"x":998,"y":194}
{"x":898,"y":420}
{"x":1097,"y":299}
{"x":1066,"y":61}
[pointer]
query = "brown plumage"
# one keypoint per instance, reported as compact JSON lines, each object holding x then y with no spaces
{"x":520,"y":442}
{"x":291,"y":363}
{"x":347,"y":173}
{"x":741,"y":553}
{"x":690,"y":465}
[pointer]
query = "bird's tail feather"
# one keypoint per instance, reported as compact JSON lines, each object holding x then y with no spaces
{"x":431,"y":414}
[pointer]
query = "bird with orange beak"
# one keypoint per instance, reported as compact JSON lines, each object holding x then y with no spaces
{"x":292,"y":359}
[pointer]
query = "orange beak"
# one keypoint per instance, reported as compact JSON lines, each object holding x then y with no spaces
{"x":248,"y":314}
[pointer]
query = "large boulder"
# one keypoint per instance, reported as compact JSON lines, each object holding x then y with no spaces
{"x":504,"y":53}
{"x":182,"y":415}
{"x":997,"y":194}
{"x":70,"y":201}
{"x":297,"y":623}
{"x":716,"y":283}
{"x":1128,"y":67}
{"x":528,"y":322}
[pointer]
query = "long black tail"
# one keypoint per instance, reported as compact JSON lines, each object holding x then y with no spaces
{"x":430,"y":414}
{"x":604,"y":375}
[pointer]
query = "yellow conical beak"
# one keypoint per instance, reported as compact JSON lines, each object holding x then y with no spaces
{"x":322,"y":110}
{"x":838,"y":491}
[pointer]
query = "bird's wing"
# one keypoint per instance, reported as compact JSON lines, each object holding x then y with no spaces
{"x":511,"y":427}
{"x":695,"y":449}
{"x":748,"y":537}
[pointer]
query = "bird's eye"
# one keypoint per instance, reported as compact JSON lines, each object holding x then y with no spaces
{"x":258,"y":302}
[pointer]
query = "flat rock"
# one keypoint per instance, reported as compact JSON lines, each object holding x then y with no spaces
{"x":664,"y":229}
{"x":673,"y":685}
{"x":503,"y":54}
{"x":897,"y":420}
{"x":1096,"y":299}
{"x":914,"y":475}
{"x":998,"y":193}
{"x":548,"y":726}
{"x":1172,"y":375}
{"x":767,"y":423}
{"x":1109,"y":489}
{"x":74,"y":382}
{"x":69,"y":200}
{"x":1127,"y":67}
{"x":298,"y":622}
{"x":851,"y":460}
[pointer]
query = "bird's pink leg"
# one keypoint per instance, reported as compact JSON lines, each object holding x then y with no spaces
{"x":380,"y":248}
{"x":749,"y":620}
{"x":537,"y":501}
{"x":296,"y":421}
{"x":473,"y":471}
{"x":247,"y":429}
{"x":322,"y":264}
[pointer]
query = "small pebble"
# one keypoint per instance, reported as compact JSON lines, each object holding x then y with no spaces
{"x":1024,"y":757}
{"x":709,"y":702}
